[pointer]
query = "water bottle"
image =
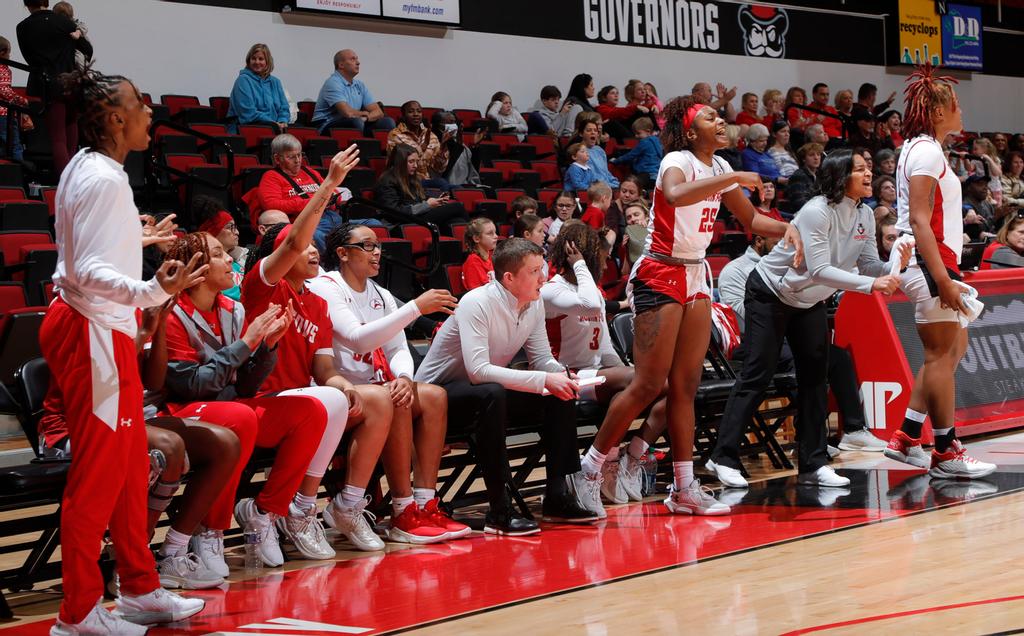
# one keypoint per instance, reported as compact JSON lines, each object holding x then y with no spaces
{"x":650,"y":466}
{"x":253,"y":562}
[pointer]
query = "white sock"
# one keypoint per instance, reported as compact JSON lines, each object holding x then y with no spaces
{"x":300,"y":505}
{"x":682,"y":474}
{"x":591,"y":462}
{"x":638,"y":447}
{"x":916,"y":416}
{"x":941,"y":431}
{"x":350,"y":496}
{"x":399,"y":504}
{"x":423,"y":495}
{"x":174,"y":543}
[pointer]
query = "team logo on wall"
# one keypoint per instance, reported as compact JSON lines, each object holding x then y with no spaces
{"x":764,"y":30}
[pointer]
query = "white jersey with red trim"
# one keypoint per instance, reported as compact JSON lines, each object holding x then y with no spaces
{"x":576,"y":324}
{"x":685,"y":231}
{"x":923,"y":155}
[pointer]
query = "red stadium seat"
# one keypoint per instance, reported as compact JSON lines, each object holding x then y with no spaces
{"x":303,"y":133}
{"x":547,"y":196}
{"x":986,"y":256}
{"x":212,"y":130}
{"x":459,"y":231}
{"x":220,"y":105}
{"x":508,"y":195}
{"x":255,"y":134}
{"x":50,"y":197}
{"x":550,"y":175}
{"x":466,"y":116}
{"x":455,"y":286}
{"x":176,"y":103}
{"x":717,"y":262}
{"x":345,"y":136}
{"x":468,"y":196}
{"x":543,"y":144}
{"x":307,"y":108}
{"x":505,"y":141}
{"x":395,"y":112}
{"x":507,"y":167}
{"x":12,"y":194}
{"x":12,"y":296}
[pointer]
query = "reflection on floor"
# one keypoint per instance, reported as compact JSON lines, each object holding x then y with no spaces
{"x":413,"y":586}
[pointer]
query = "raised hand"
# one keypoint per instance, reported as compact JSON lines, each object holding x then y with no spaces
{"x":175,"y":277}
{"x":342,"y":163}
{"x":436,"y":301}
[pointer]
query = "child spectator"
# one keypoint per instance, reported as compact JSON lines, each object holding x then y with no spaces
{"x":8,"y":94}
{"x":600,"y":196}
{"x":546,"y":118}
{"x":637,"y":220}
{"x":508,"y":118}
{"x":565,"y":208}
{"x":579,"y":176}
{"x":523,"y":205}
{"x":645,"y":157}
{"x":65,"y":9}
{"x":481,"y":239}
{"x":531,"y":227}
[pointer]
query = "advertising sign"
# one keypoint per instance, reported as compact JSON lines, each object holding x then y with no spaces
{"x":920,"y":32}
{"x":961,"y":37}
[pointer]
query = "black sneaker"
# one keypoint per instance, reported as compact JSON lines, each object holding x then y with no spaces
{"x":562,"y":508}
{"x":508,"y":522}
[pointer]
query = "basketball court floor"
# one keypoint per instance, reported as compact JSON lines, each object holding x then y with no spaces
{"x":895,"y":552}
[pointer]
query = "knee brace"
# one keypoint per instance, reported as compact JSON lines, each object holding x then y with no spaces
{"x":157,"y":464}
{"x":161,"y":493}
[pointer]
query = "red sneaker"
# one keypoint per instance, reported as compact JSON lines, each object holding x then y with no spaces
{"x":412,"y":526}
{"x":440,"y":519}
{"x":906,"y":449}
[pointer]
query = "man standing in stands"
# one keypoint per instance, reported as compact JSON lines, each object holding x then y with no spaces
{"x":345,"y":102}
{"x":866,"y":95}
{"x":722,"y":102}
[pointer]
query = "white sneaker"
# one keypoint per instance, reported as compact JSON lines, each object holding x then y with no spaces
{"x":269,"y":545}
{"x":159,"y":606}
{"x":956,"y":463}
{"x":307,"y":534}
{"x":694,"y":500}
{"x":587,"y":491}
{"x":861,"y":440}
{"x":186,"y":571}
{"x":824,"y":477}
{"x":208,"y":545}
{"x":352,"y":523}
{"x":96,"y":623}
{"x":612,"y":490}
{"x":730,"y":477}
{"x":832,"y":451}
{"x":631,"y":476}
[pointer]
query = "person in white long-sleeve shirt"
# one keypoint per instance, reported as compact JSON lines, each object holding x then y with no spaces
{"x":578,"y":331}
{"x":88,"y":340}
{"x":469,"y":358}
{"x":370,"y":348}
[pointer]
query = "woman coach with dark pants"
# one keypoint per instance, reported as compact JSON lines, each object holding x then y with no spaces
{"x":783,"y":301}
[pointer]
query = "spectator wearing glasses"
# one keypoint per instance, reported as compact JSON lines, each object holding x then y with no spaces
{"x":755,"y":159}
{"x":212,"y":218}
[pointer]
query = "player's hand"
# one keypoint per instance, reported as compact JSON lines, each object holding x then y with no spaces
{"x":355,"y":403}
{"x":436,"y":301}
{"x":153,"y":317}
{"x":562,"y":386}
{"x":906,"y":249}
{"x":401,"y":392}
{"x":159,"y":233}
{"x":572,"y":254}
{"x":277,"y":329}
{"x":792,"y":237}
{"x":257,"y":329}
{"x":949,"y":296}
{"x":750,"y":181}
{"x":341,"y":164}
{"x":886,"y":284}
{"x":174,"y":276}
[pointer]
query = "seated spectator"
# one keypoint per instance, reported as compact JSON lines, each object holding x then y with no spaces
{"x":844,"y":102}
{"x":600,"y":197}
{"x":636,"y":93}
{"x":521,"y":205}
{"x":578,"y":176}
{"x":469,"y":357}
{"x":581,"y":91}
{"x":432,"y":150}
{"x":645,"y":157}
{"x":866,"y":95}
{"x":617,"y":119}
{"x":883,"y":189}
{"x":755,"y":159}
{"x":765,"y":204}
{"x":211,"y":217}
{"x":748,"y":115}
{"x":289,"y":186}
{"x":983,"y":148}
{"x":481,"y":238}
{"x":268,"y":219}
{"x":653,"y":102}
{"x":590,"y":133}
{"x":773,"y":103}
{"x":400,"y":189}
{"x":885,"y":162}
{"x":637,"y":221}
{"x":886,"y":235}
{"x":833,"y":127}
{"x":731,"y":153}
{"x":630,"y":190}
{"x":532,"y":228}
{"x":460,"y":171}
{"x":894,"y":124}
{"x":509,"y":120}
{"x":546,"y":118}
{"x":1013,"y":185}
{"x":780,"y":152}
{"x":869,"y":157}
{"x":7,"y":94}
{"x":257,"y":96}
{"x":345,"y":102}
{"x":864,"y":136}
{"x":980,"y":217}
{"x":815,"y":134}
{"x":1018,"y":142}
{"x":720,"y":100}
{"x":1002,"y":146}
{"x":799,"y":119}
{"x":565,"y":209}
{"x":1011,"y":238}
{"x":803,"y":183}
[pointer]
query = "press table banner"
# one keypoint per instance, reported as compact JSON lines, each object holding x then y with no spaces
{"x":688,"y":25}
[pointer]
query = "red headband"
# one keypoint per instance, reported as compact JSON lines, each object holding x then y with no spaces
{"x":216,"y":225}
{"x":691,"y":114}
{"x":282,"y":235}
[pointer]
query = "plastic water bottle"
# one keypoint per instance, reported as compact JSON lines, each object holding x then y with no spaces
{"x":253,"y":562}
{"x":650,"y":466}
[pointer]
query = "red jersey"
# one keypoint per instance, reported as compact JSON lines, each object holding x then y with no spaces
{"x":594,"y":217}
{"x":685,"y":231}
{"x":475,"y":271}
{"x":311,"y":332}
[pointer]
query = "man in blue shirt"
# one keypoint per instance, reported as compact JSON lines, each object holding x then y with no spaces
{"x":345,"y":102}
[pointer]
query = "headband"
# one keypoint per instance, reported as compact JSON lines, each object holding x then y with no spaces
{"x":691,"y":114}
{"x":282,"y":235}
{"x":216,"y":224}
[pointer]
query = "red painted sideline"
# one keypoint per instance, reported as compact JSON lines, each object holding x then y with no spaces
{"x":882,"y":617}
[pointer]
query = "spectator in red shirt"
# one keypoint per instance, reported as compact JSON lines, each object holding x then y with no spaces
{"x":7,"y":94}
{"x":765,"y":204}
{"x":798,"y":119}
{"x":481,"y":239}
{"x":600,"y":196}
{"x":617,"y":121}
{"x":748,"y":116}
{"x":833,"y":126}
{"x":773,"y":103}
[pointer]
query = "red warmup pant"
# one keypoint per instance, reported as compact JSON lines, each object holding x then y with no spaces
{"x":291,"y":424}
{"x":62,"y":124}
{"x":97,"y":371}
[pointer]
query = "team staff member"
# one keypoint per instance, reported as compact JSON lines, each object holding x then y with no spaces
{"x":786,"y":300}
{"x":87,"y":339}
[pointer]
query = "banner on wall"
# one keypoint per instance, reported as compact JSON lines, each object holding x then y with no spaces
{"x":748,"y":29}
{"x":961,"y":37}
{"x":920,"y":32}
{"x":441,"y":11}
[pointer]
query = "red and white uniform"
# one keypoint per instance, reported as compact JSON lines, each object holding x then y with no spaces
{"x":923,"y":155}
{"x":576,"y":324}
{"x":87,"y":339}
{"x":681,"y":232}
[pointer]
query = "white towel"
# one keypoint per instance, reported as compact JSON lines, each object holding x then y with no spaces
{"x":895,"y":262}
{"x":969,"y":295}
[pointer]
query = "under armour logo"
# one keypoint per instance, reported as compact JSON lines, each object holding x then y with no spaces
{"x":126,"y":422}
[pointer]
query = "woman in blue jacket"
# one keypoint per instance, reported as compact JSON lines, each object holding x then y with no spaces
{"x":755,"y":159}
{"x":257,"y":96}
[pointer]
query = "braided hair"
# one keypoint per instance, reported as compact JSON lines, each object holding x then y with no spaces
{"x":185,"y":248}
{"x":673,"y":137}
{"x":338,"y":237}
{"x":587,"y":241}
{"x":93,"y":94}
{"x":265,"y":247}
{"x":925,"y":91}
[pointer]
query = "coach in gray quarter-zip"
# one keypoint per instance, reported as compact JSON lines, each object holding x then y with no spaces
{"x":786,"y":301}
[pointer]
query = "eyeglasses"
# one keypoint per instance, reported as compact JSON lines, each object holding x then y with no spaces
{"x":565,"y":206}
{"x":367,"y":246}
{"x":231,"y":227}
{"x":293,"y":156}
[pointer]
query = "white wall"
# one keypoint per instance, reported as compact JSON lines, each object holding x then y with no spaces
{"x":179,"y":48}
